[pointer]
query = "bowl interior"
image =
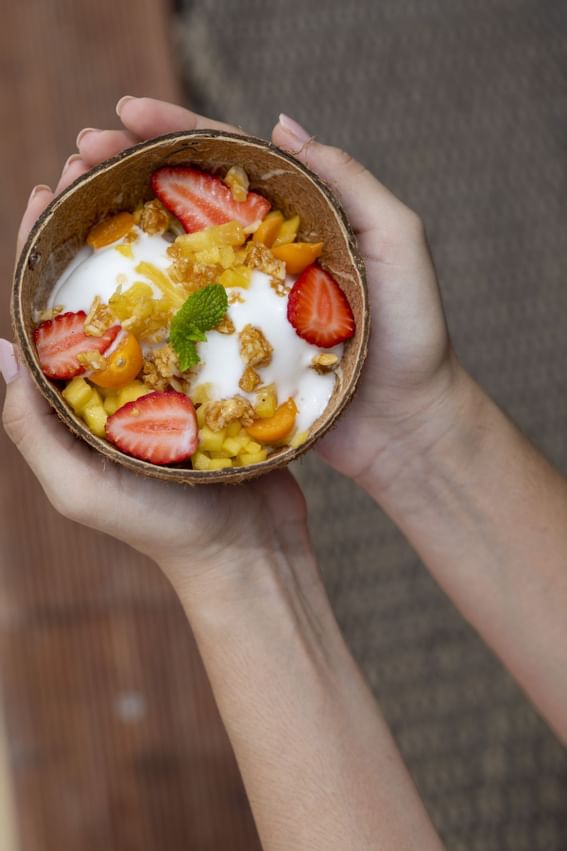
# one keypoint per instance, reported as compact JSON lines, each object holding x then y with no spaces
{"x":121,"y":184}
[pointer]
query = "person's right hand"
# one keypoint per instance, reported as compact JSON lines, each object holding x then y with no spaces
{"x":409,"y":388}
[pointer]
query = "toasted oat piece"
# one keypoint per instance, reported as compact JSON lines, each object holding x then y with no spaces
{"x":254,"y":348}
{"x":193,"y":275}
{"x":92,"y":360}
{"x":99,"y":319}
{"x":220,"y":414}
{"x":160,"y":368}
{"x":235,"y":298}
{"x":226,"y":325}
{"x":154,"y":218}
{"x":324,"y":362}
{"x":50,"y":313}
{"x":260,"y":257}
{"x":250,"y":380}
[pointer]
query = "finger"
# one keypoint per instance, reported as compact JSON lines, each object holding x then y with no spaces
{"x":40,"y":197}
{"x":369,"y":205}
{"x":147,"y":117}
{"x":39,"y":436}
{"x":97,"y":145}
{"x":73,"y":168}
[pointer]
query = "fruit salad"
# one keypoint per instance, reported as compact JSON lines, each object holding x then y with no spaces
{"x":198,"y":327}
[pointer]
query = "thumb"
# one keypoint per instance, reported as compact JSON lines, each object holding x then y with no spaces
{"x":372,"y":209}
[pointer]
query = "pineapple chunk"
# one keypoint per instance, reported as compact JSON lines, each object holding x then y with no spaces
{"x":252,"y":447}
{"x":232,"y":446}
{"x":219,"y":463}
{"x":288,"y":231}
{"x":231,"y":234}
{"x":221,"y":453}
{"x":298,"y":439}
{"x":266,"y":401}
{"x":200,"y":461}
{"x":201,"y":393}
{"x":175,"y":294}
{"x":201,"y":411}
{"x":211,"y":441}
{"x":240,"y":276}
{"x":126,"y":250}
{"x":233,"y":429}
{"x":78,"y":394}
{"x":132,"y":391}
{"x":95,"y":416}
{"x":111,"y":404}
{"x":237,"y":181}
{"x":247,"y":458}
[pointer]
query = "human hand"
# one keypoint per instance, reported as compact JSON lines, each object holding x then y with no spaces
{"x":407,"y":396}
{"x":188,"y":531}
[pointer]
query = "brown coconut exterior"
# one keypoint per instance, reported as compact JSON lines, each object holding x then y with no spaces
{"x":121,"y":183}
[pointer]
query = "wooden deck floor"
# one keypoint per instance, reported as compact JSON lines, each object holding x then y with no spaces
{"x":112,"y":735}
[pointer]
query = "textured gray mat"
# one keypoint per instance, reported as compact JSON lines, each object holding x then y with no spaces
{"x":461,"y":108}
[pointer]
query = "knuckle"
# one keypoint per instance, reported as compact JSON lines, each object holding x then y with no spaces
{"x":414,"y":225}
{"x":15,"y":423}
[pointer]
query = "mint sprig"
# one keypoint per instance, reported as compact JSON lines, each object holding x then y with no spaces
{"x":201,"y":312}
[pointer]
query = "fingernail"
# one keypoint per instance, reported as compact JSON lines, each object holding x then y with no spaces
{"x":8,"y":362}
{"x":294,"y":129}
{"x":41,"y":187}
{"x":84,"y":132}
{"x":73,"y":158}
{"x":121,"y":103}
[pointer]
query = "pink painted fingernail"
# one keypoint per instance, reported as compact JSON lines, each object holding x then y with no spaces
{"x":84,"y":132}
{"x":72,"y":159}
{"x":294,"y":129}
{"x":41,"y":187}
{"x":8,"y":362}
{"x":122,"y":102}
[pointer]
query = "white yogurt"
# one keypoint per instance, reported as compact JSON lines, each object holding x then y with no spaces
{"x":289,"y":369}
{"x":100,"y":272}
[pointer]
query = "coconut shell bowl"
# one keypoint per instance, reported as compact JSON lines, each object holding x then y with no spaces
{"x":123,"y":183}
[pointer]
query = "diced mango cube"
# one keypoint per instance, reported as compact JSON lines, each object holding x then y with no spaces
{"x":269,"y":228}
{"x":211,"y":441}
{"x":78,"y":394}
{"x":126,"y":250}
{"x":200,"y":461}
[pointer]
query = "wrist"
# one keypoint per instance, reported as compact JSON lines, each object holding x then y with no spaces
{"x":446,"y":432}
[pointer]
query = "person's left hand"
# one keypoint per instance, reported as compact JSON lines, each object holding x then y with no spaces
{"x":188,"y":531}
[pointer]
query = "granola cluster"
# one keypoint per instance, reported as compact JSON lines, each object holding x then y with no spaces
{"x":99,"y":319}
{"x":161,"y":368}
{"x":154,"y":218}
{"x":220,"y":414}
{"x":254,"y":348}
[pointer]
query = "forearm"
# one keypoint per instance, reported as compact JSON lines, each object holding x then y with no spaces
{"x":488,"y":515}
{"x":318,"y":762}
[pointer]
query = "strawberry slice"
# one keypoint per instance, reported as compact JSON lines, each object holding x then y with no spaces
{"x":160,"y":428}
{"x":200,"y":200}
{"x":318,"y":309}
{"x":58,"y":342}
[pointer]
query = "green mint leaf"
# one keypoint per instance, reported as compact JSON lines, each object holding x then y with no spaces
{"x":187,"y":355}
{"x":202,"y":312}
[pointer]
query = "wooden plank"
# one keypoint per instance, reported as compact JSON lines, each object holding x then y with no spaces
{"x":113,"y":736}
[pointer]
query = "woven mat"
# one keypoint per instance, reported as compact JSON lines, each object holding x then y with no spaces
{"x":460,"y":108}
